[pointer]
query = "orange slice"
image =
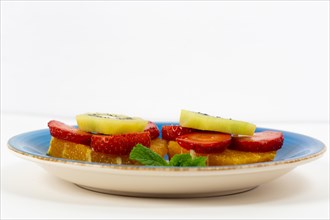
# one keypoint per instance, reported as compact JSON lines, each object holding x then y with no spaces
{"x":227,"y":157}
{"x":159,"y":146}
{"x":69,"y":150}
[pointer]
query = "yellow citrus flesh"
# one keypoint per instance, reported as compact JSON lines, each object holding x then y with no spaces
{"x":109,"y":158}
{"x":159,"y":146}
{"x":56,"y":148}
{"x":227,"y":157}
{"x":69,"y":150}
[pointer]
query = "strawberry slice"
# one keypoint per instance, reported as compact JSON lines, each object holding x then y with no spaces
{"x":171,"y":132}
{"x":119,"y":144}
{"x":65,"y":132}
{"x":205,"y":142}
{"x":152,"y":129}
{"x":259,"y":142}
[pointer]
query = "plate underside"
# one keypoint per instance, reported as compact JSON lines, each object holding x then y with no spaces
{"x":168,"y":195}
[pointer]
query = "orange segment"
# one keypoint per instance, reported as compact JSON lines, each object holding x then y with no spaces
{"x":109,"y":158}
{"x":175,"y":148}
{"x":159,"y":146}
{"x":56,"y":148}
{"x":74,"y":151}
{"x":69,"y":150}
{"x":234,"y":157}
{"x":227,"y":157}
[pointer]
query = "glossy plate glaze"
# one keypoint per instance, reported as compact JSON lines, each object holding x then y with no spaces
{"x":146,"y":181}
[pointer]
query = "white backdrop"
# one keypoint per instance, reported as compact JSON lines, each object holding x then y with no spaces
{"x":256,"y":61}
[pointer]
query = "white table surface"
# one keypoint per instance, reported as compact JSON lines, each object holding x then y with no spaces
{"x":29,"y":192}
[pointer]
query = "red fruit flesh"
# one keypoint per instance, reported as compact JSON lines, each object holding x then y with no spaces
{"x":171,"y":132}
{"x":152,"y":129}
{"x":205,"y":142}
{"x":120,"y":144}
{"x":259,"y":142}
{"x":65,"y":132}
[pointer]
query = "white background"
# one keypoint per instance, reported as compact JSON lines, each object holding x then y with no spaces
{"x":262,"y":61}
{"x":247,"y":60}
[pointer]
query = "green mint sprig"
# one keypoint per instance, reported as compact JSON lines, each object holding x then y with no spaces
{"x":147,"y":157}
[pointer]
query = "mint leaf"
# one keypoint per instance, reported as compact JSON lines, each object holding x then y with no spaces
{"x":198,"y":162}
{"x":146,"y":156}
{"x":185,"y":160}
{"x":180,"y":160}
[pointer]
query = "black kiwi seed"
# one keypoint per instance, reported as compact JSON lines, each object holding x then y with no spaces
{"x":207,"y":114}
{"x":111,"y":115}
{"x":202,"y":113}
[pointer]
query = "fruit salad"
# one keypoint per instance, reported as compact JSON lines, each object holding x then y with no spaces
{"x":198,"y":140}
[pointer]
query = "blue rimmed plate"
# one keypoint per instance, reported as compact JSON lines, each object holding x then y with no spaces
{"x":168,"y":181}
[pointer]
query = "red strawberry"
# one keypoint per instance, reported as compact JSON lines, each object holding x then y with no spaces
{"x":259,"y":142}
{"x":119,"y":144}
{"x":205,"y":142}
{"x":65,"y":132}
{"x":171,"y":132}
{"x":152,"y":129}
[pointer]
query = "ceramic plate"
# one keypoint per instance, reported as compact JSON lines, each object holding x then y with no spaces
{"x":168,"y":181}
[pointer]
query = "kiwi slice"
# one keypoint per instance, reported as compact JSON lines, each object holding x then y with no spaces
{"x":203,"y":121}
{"x":105,"y":123}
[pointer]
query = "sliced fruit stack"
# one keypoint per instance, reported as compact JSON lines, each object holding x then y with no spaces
{"x":110,"y":138}
{"x":105,"y":138}
{"x":222,"y":141}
